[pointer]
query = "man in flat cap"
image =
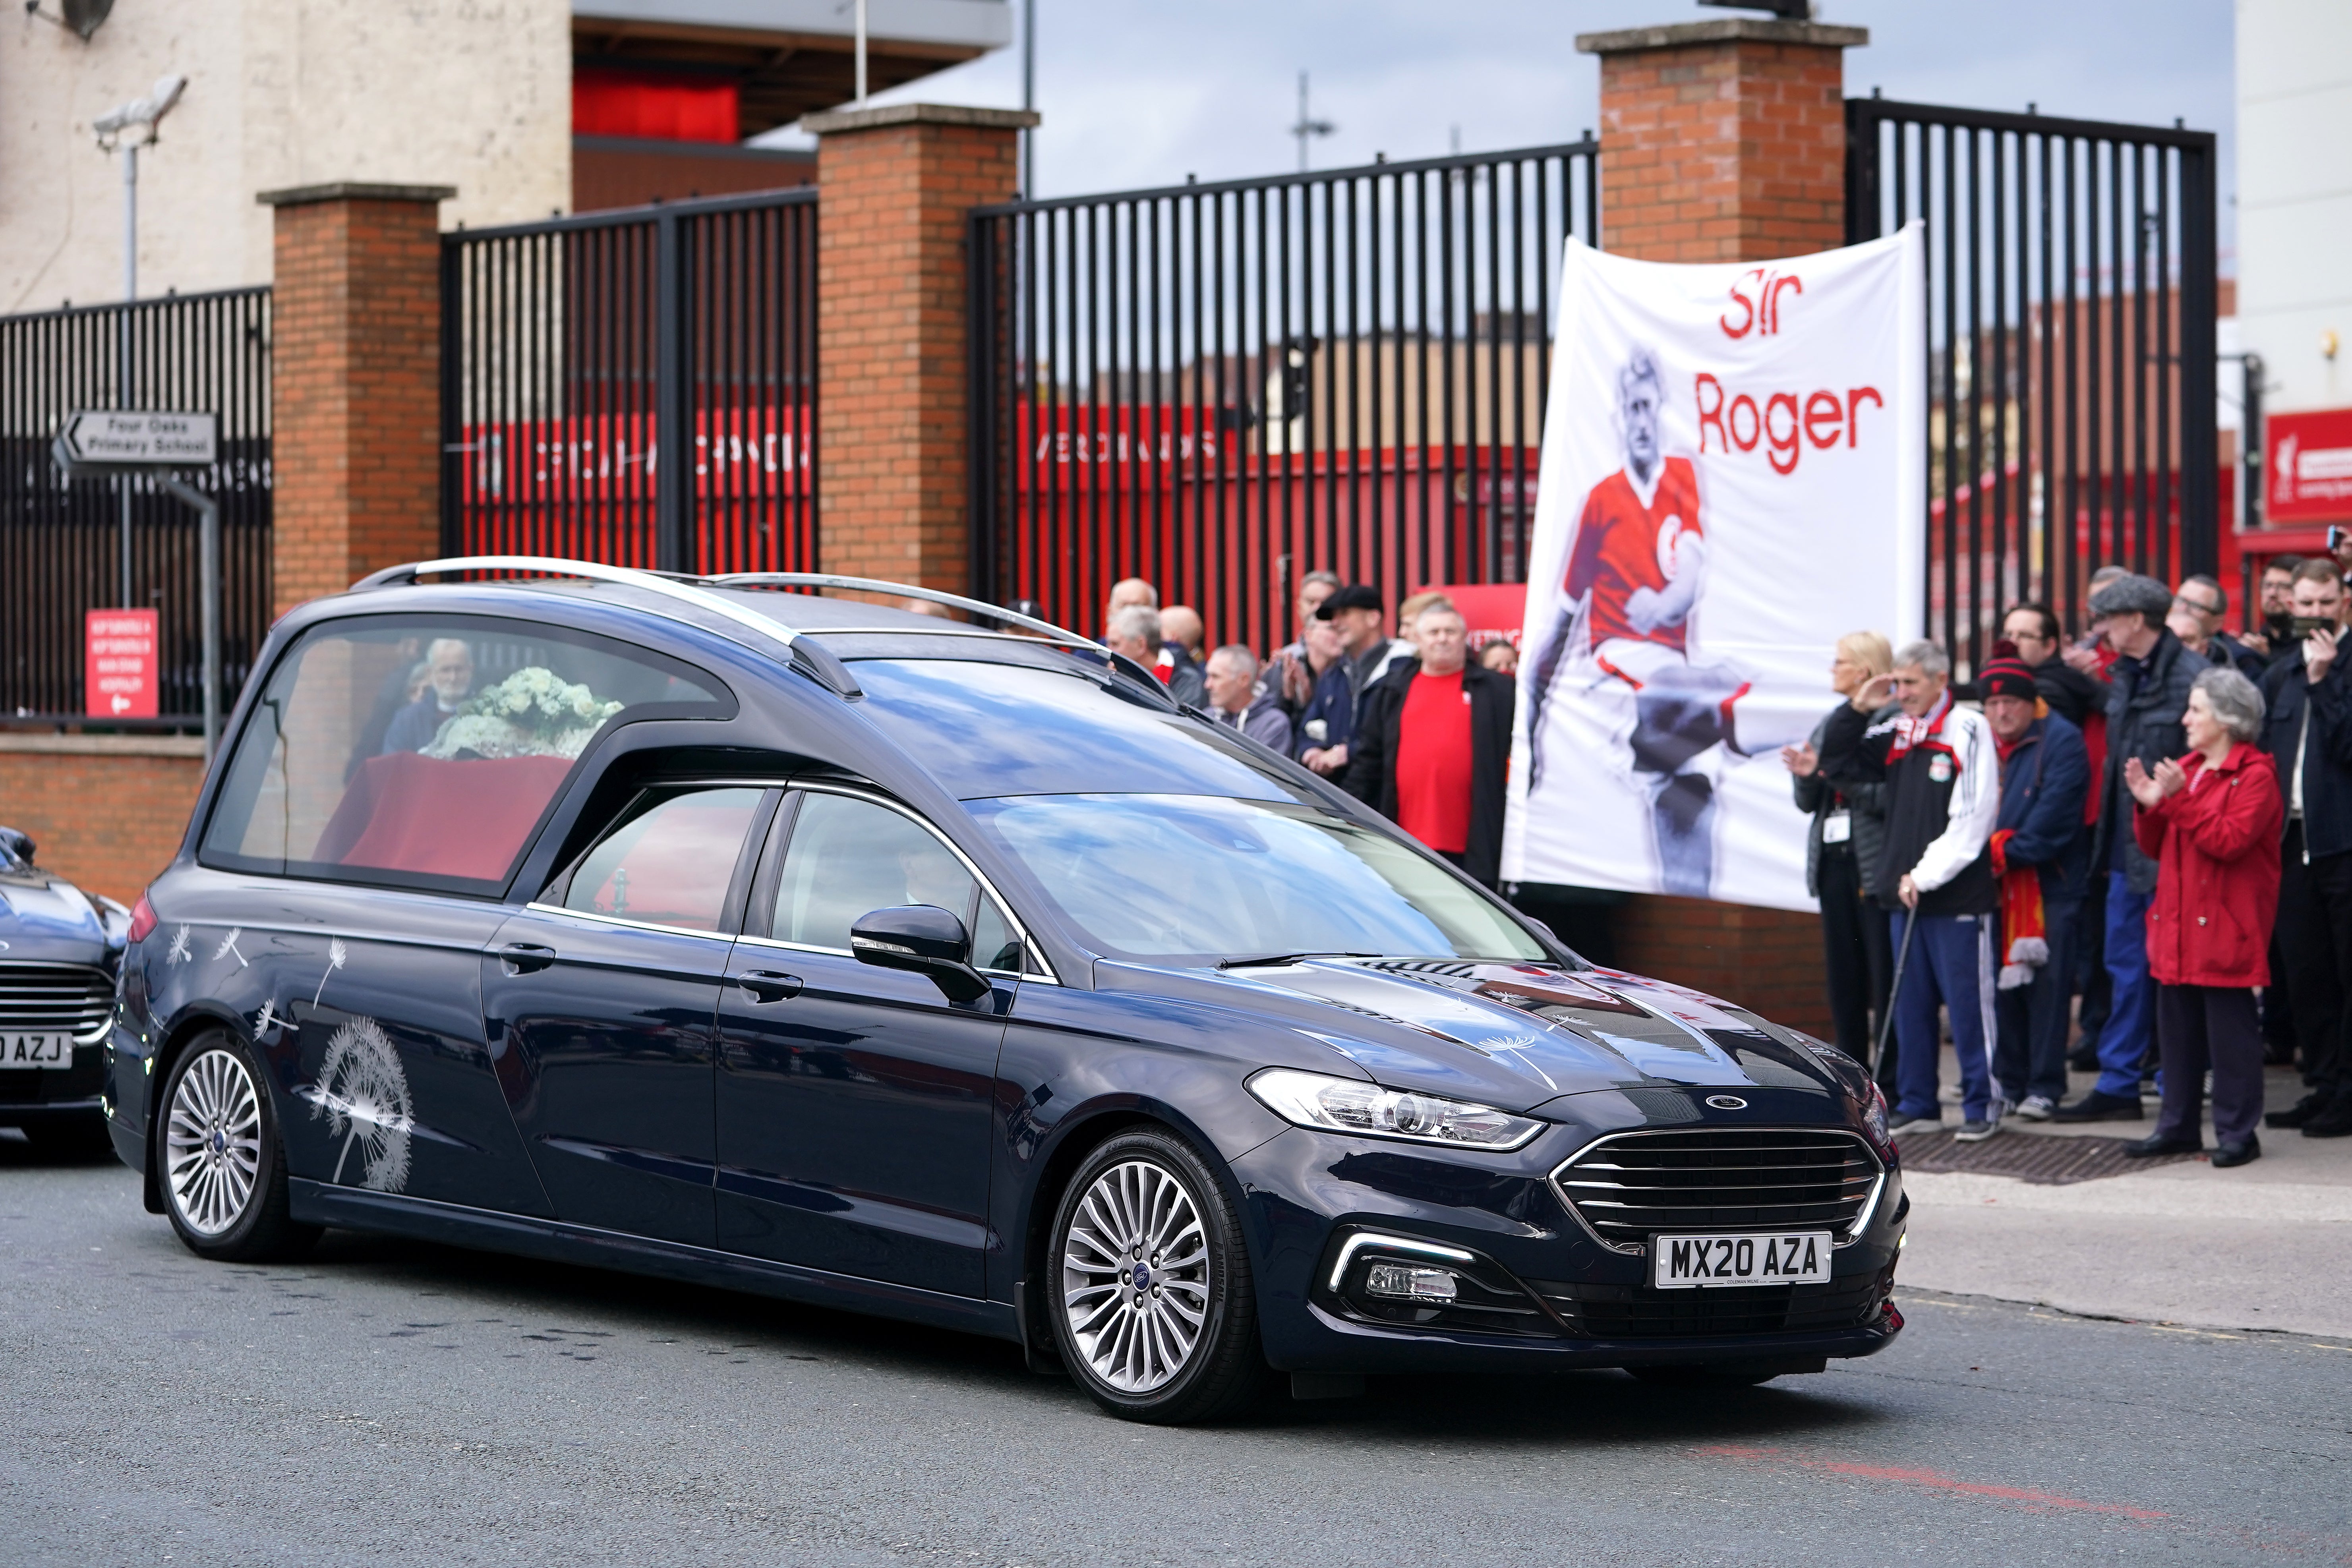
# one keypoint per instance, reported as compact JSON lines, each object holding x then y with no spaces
{"x":2146,"y":695}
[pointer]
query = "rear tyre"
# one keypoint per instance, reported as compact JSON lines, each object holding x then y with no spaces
{"x":223,"y":1166}
{"x":1150,"y":1293}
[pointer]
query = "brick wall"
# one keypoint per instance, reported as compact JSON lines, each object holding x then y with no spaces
{"x":1725,"y":141}
{"x":355,"y":383}
{"x":106,"y":812}
{"x":1770,"y":960}
{"x":896,"y":185}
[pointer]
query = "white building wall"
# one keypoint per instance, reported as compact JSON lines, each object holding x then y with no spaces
{"x":2294,"y":196}
{"x":470,"y":93}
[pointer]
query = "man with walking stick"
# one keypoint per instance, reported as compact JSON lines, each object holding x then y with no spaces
{"x":1934,"y":874}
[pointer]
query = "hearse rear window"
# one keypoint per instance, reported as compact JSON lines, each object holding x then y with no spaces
{"x":424,"y":750}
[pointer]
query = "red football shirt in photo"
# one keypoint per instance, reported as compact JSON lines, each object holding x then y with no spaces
{"x":1433,"y":763}
{"x":1623,"y":543}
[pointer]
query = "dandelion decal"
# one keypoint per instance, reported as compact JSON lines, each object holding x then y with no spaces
{"x":337,"y":956}
{"x":228,"y":946}
{"x":364,"y":1094}
{"x":267,"y":1019}
{"x":179,"y":950}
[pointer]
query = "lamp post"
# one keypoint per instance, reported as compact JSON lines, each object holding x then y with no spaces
{"x":125,"y":129}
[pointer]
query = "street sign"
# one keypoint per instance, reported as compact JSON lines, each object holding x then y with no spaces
{"x":138,"y":438}
{"x":119,"y":664}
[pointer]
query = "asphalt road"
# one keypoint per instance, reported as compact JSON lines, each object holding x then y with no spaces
{"x":386,"y":1402}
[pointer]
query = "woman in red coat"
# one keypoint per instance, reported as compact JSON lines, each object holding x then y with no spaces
{"x":2211,"y":820}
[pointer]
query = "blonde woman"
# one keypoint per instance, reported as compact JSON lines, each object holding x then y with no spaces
{"x":1848,"y":824}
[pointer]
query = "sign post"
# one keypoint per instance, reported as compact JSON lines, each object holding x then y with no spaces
{"x":162,"y":445}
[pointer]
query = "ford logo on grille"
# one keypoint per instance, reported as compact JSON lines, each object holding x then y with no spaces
{"x":1726,"y":1102}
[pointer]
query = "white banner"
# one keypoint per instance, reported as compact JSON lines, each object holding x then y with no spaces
{"x":1732,"y":480}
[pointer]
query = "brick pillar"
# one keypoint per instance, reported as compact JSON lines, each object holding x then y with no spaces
{"x":355,"y":383}
{"x":893,"y":369}
{"x":1725,"y":141}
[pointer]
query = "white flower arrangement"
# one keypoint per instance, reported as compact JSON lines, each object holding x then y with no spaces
{"x":530,"y":713}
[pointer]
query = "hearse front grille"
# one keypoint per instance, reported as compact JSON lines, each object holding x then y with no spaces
{"x":54,"y":998}
{"x":1638,"y":1313}
{"x":1631,"y":1185}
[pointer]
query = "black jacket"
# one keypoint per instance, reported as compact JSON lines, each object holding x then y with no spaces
{"x":2145,"y":699}
{"x":1372,"y":755}
{"x":2287,"y":698}
{"x":2072,"y":695}
{"x":1865,"y":802}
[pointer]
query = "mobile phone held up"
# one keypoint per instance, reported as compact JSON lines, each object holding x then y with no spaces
{"x":2306,"y":625}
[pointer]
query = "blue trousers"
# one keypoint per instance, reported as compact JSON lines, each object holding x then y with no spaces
{"x":1951,"y":965}
{"x":2131,"y":1025}
{"x":2030,"y":1053}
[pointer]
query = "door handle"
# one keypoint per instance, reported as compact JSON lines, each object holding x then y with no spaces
{"x":525,"y":957}
{"x":768,"y":984}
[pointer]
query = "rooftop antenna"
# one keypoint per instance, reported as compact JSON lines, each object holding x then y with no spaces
{"x":861,"y":54}
{"x":1308,"y":125}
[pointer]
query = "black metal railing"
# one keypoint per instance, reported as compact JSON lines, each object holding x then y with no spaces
{"x":635,"y":387}
{"x":67,"y":549}
{"x":2071,"y":298}
{"x":1222,"y":387}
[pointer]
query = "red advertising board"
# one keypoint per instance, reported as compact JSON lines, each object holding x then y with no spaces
{"x":118,"y":663}
{"x":2310,"y":467}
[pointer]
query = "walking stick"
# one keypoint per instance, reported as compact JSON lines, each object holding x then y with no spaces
{"x":1878,"y":1047}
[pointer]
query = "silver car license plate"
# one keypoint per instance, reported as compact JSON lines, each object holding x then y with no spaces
{"x":35,"y":1050}
{"x":1785,"y":1257}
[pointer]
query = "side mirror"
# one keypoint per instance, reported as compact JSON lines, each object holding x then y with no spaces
{"x":924,"y":938}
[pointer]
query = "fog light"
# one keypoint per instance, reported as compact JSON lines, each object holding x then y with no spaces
{"x":1414,"y":1284}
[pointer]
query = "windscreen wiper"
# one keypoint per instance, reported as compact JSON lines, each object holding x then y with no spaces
{"x":1271,"y":959}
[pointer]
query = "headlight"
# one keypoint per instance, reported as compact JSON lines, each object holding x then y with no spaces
{"x":1874,"y":1119}
{"x":1351,"y":1105}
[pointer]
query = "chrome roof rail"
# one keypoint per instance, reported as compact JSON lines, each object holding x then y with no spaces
{"x":905,"y":590}
{"x":686,"y":592}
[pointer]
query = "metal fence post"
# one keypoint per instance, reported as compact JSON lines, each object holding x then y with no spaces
{"x":2201,"y":498}
{"x":208,"y":593}
{"x":673,"y":405}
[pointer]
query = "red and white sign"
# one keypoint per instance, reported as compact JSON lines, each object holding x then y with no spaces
{"x":2310,"y":467}
{"x":119,"y":664}
{"x":1733,"y":463}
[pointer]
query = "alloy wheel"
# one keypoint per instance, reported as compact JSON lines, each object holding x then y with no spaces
{"x":211,"y":1142}
{"x":1135,"y":1277}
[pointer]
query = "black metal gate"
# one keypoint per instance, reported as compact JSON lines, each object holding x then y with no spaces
{"x":1221,"y":387}
{"x":62,"y":545}
{"x":634,"y":387}
{"x":2071,"y":300}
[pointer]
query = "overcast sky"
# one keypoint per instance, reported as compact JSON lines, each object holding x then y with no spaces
{"x":1141,"y":93}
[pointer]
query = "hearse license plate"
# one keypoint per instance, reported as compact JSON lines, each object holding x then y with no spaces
{"x":35,"y":1050}
{"x":1688,"y":1262}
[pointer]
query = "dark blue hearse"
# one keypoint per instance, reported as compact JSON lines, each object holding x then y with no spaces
{"x":716,"y":929}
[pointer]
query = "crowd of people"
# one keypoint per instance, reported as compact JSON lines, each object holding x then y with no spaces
{"x":2131,"y":856}
{"x":1416,"y":724}
{"x":2127,"y":852}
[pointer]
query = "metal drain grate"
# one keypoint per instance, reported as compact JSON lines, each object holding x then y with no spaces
{"x":2031,"y":1157}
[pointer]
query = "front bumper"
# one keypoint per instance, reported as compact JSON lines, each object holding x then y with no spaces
{"x":1540,"y":1292}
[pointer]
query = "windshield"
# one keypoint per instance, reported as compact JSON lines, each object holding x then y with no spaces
{"x":1181,"y":878}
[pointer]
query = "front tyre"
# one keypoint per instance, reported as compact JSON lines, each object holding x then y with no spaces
{"x":223,"y":1164}
{"x":1155,"y":1312}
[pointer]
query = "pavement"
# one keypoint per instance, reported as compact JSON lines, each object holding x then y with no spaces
{"x":2259,"y":1247}
{"x":387,"y":1404}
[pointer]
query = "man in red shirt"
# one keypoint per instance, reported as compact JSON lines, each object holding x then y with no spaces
{"x":1432,"y":743}
{"x":1636,"y":567}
